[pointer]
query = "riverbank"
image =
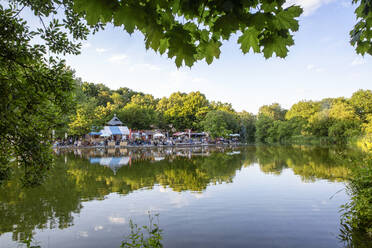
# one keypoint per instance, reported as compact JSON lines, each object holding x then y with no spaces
{"x":180,"y":145}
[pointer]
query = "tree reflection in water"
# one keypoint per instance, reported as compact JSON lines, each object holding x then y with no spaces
{"x":83,"y":175}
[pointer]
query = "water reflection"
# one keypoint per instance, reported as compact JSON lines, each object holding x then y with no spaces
{"x":311,"y":163}
{"x":84,"y":175}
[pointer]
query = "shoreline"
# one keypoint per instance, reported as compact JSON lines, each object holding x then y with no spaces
{"x":148,"y":146}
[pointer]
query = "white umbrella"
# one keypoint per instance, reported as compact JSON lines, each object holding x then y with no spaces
{"x":104,"y":134}
{"x":157,"y":135}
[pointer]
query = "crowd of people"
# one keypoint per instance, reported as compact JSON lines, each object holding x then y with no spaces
{"x":140,"y":141}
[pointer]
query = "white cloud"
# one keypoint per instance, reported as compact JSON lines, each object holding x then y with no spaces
{"x":83,"y":234}
{"x":118,"y":58}
{"x":97,"y":228}
{"x":144,"y":67}
{"x":200,"y":195}
{"x":178,"y":77}
{"x":180,"y":201}
{"x":185,"y":78}
{"x":165,"y":190}
{"x":309,"y":6}
{"x":312,"y":67}
{"x":85,"y":45}
{"x":346,"y":4}
{"x":358,"y":61}
{"x":101,"y":50}
{"x":198,"y":80}
{"x":116,"y":220}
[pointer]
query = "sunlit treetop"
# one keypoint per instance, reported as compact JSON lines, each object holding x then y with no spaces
{"x":193,"y":30}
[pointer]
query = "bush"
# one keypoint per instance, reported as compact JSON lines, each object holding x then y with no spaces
{"x":145,"y":236}
{"x":357,"y":217}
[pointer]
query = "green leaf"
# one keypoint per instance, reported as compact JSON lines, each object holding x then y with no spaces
{"x":249,"y":40}
{"x":164,"y":44}
{"x":269,"y":6}
{"x":278,"y":45}
{"x":212,"y":50}
{"x":286,"y":19}
{"x":124,"y":16}
{"x":153,"y":38}
{"x":96,"y":10}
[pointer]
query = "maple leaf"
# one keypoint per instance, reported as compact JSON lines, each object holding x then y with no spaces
{"x":277,"y":45}
{"x":249,"y":40}
{"x":286,"y":18}
{"x":212,"y":50}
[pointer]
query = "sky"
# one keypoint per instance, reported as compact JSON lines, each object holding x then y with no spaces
{"x":321,"y":64}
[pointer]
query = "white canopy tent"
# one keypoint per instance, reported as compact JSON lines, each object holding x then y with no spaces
{"x":159,"y":135}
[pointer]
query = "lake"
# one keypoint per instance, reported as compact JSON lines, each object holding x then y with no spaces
{"x":255,"y":196}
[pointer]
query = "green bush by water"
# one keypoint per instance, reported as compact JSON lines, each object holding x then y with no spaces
{"x":144,"y":237}
{"x":357,"y":214}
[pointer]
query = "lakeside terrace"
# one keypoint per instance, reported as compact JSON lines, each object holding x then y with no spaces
{"x":114,"y":134}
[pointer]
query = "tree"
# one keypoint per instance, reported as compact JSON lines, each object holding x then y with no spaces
{"x":190,"y":31}
{"x":137,"y":117}
{"x":341,"y":130}
{"x":302,"y":115}
{"x":194,"y":30}
{"x":184,"y":111}
{"x":361,"y":100}
{"x":247,"y":126}
{"x":90,"y":89}
{"x":171,"y":109}
{"x":341,"y":110}
{"x":303,"y":109}
{"x":36,"y":91}
{"x":223,"y":106}
{"x":263,"y":124}
{"x":361,"y":35}
{"x":273,"y":111}
{"x":83,"y":120}
{"x":127,"y":94}
{"x":117,"y":99}
{"x":220,"y":123}
{"x":367,"y":127}
{"x":145,"y":101}
{"x":103,"y":114}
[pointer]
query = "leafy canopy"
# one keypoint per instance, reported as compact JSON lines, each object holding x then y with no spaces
{"x":193,"y":30}
{"x":361,"y":35}
{"x":36,"y":92}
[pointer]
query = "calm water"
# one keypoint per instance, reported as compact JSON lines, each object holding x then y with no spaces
{"x":247,"y":197}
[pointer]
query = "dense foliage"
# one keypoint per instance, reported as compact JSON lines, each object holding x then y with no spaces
{"x":194,"y":30}
{"x":357,"y":214}
{"x":328,"y":121}
{"x":361,"y":35}
{"x":331,"y":120}
{"x":36,"y":90}
{"x":97,"y":104}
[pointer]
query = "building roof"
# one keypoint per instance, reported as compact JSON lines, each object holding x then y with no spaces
{"x":115,"y":121}
{"x":114,"y":163}
{"x":113,"y":130}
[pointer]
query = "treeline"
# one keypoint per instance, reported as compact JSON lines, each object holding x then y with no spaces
{"x":96,"y":104}
{"x":331,"y":120}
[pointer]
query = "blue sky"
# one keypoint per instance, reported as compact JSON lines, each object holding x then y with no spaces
{"x":321,"y":64}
